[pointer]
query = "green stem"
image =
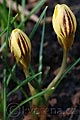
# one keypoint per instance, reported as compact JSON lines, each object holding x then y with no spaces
{"x":4,"y":96}
{"x":62,"y":69}
{"x":26,"y":72}
{"x":32,"y":89}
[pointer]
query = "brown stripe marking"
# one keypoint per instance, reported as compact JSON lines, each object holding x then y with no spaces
{"x":70,"y":22}
{"x":25,"y":42}
{"x":64,"y":24}
{"x":19,"y":43}
{"x":72,"y":26}
{"x":61,"y":32}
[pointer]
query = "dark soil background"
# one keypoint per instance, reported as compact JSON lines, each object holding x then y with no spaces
{"x":64,"y":104}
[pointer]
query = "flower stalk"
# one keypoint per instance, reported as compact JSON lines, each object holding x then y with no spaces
{"x":32,"y":89}
{"x":21,"y":48}
{"x":64,"y":24}
{"x":61,"y":71}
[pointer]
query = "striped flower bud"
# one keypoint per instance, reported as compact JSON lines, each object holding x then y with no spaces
{"x":21,"y":47}
{"x":64,"y":24}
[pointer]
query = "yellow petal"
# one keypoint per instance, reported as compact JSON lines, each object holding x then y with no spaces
{"x":64,"y":24}
{"x":20,"y":46}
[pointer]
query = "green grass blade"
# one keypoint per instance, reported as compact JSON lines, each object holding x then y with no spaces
{"x":8,"y":29}
{"x":4,"y":95}
{"x":12,"y":21}
{"x":15,"y":80}
{"x":23,"y":83}
{"x":11,"y":74}
{"x":37,"y":7}
{"x":2,"y":47}
{"x":35,"y":80}
{"x":4,"y":6}
{"x":14,"y":18}
{"x":5,"y":12}
{"x":37,"y":24}
{"x":11,"y":71}
{"x":21,"y":88}
{"x":3,"y":31}
{"x":22,"y":12}
{"x":41,"y":53}
{"x":3,"y":17}
{"x":29,"y":99}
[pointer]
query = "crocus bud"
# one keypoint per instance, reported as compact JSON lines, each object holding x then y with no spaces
{"x":64,"y":24}
{"x":21,"y":47}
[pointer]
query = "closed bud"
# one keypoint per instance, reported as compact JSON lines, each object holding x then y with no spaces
{"x":64,"y":24}
{"x":21,"y":47}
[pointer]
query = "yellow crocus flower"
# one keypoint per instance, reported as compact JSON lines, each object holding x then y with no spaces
{"x":21,"y":47}
{"x":64,"y":24}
